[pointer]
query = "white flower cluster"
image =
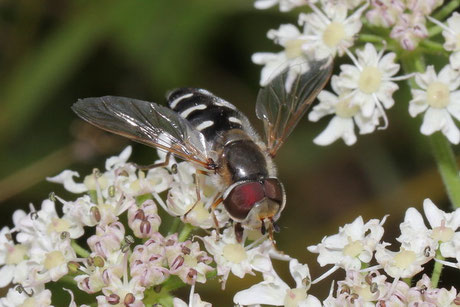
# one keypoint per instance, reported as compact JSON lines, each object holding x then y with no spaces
{"x":362,"y":91}
{"x":127,"y":261}
{"x":358,"y":245}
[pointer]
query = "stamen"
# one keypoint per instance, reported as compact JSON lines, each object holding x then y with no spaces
{"x":443,"y":26}
{"x":403,"y":77}
{"x":256,"y":242}
{"x":447,"y":263}
{"x":190,"y":297}
{"x":325,"y":275}
{"x":354,"y":60}
{"x":384,"y":47}
{"x":358,"y":12}
{"x":393,"y":287}
{"x":52,"y":197}
{"x":324,"y":18}
{"x":382,"y":110}
{"x":372,"y":268}
{"x":162,"y":204}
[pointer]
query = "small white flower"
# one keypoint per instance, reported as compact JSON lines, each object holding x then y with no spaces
{"x":454,"y":60}
{"x":48,"y":260}
{"x":358,"y":289}
{"x":38,"y":297}
{"x":66,"y":179}
{"x":144,"y":220}
{"x":98,"y":273}
{"x":451,"y":33}
{"x":12,"y":259}
{"x":122,"y":293}
{"x":401,"y":264}
{"x":285,"y":5}
{"x":424,"y":7}
{"x":409,"y":30}
{"x":274,"y":291}
{"x":444,"y":228}
{"x":292,"y":57}
{"x":81,"y":210}
{"x":415,"y":236}
{"x":370,"y":79}
{"x":439,"y":98}
{"x":347,"y":114}
{"x":45,"y":222}
{"x":231,"y":256}
{"x":352,"y":246}
{"x":148,"y":262}
{"x":186,"y":260}
{"x":330,"y":32}
{"x":384,"y":13}
{"x":107,"y":239}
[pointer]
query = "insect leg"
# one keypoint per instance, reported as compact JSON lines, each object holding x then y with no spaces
{"x":198,"y":193}
{"x":150,"y":166}
{"x":239,"y":231}
{"x":214,"y":217}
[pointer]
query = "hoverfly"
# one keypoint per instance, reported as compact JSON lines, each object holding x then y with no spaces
{"x":211,"y":133}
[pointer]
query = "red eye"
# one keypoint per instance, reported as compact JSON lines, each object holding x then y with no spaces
{"x":273,"y":189}
{"x":242,"y":198}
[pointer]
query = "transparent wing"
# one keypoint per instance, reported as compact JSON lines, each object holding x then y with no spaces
{"x":283,"y":102}
{"x":147,"y":123}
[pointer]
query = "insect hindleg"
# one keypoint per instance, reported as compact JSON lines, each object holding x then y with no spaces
{"x":197,"y":189}
{"x":150,"y":166}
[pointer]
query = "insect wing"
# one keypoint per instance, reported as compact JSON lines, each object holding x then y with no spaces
{"x":147,"y":123}
{"x":282,"y":104}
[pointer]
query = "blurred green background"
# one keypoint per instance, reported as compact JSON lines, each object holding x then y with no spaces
{"x":54,"y":52}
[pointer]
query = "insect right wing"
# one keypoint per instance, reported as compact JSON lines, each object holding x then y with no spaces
{"x":281,"y":108}
{"x":147,"y":123}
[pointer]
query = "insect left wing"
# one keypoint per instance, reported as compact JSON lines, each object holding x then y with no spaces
{"x":147,"y":123}
{"x":281,"y":108}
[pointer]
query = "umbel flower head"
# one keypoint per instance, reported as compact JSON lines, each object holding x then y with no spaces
{"x":119,"y":254}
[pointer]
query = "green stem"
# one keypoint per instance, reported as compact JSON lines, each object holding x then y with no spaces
{"x":79,"y":250}
{"x":437,"y":270}
{"x":433,"y":31}
{"x":67,"y":279}
{"x":432,"y":46}
{"x":447,"y":166}
{"x":408,"y":281}
{"x":446,"y":9}
{"x":371,"y":38}
{"x":174,"y":226}
{"x":440,"y":146}
{"x":185,"y":232}
{"x":441,"y":14}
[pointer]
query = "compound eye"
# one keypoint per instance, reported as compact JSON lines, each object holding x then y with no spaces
{"x":273,"y":189}
{"x":242,"y":198}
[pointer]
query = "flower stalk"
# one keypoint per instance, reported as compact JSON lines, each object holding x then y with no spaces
{"x":447,"y":166}
{"x":437,"y":269}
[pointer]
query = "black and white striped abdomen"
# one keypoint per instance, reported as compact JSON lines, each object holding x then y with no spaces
{"x":208,"y":113}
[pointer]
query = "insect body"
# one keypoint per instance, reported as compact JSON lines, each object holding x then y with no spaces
{"x":252,"y":192}
{"x":211,"y":133}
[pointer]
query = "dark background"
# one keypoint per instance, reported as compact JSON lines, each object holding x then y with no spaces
{"x":54,"y":52}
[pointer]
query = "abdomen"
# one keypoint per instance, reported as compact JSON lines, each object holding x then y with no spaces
{"x":209,"y":114}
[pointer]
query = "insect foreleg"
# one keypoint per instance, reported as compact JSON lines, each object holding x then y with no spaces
{"x":218,"y":200}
